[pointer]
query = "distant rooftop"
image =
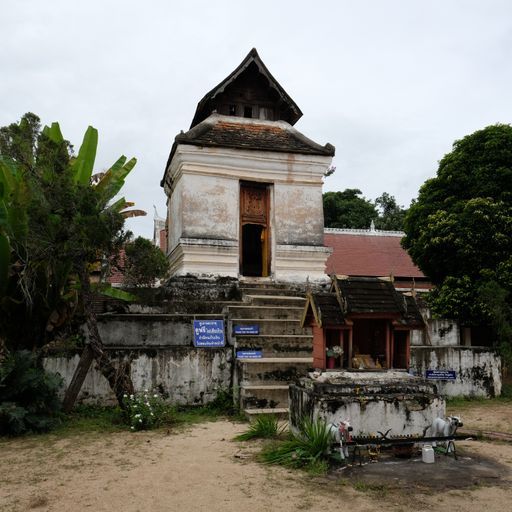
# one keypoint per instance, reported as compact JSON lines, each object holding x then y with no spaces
{"x":369,"y":252}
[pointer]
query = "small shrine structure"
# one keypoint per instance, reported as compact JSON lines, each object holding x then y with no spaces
{"x":363,"y":323}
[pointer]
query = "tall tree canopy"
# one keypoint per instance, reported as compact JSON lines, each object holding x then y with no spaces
{"x":56,"y":220}
{"x":144,"y":263}
{"x":391,"y":215}
{"x":348,"y":209}
{"x":459,"y":230}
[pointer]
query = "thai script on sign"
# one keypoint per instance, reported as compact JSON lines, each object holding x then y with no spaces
{"x":209,"y":333}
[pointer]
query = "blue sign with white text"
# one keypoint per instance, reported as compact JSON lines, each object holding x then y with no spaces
{"x":441,"y":374}
{"x":247,"y":329}
{"x":209,"y":333}
{"x":249,"y":354}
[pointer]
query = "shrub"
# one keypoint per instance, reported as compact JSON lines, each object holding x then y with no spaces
{"x":265,"y":427}
{"x":147,"y":410}
{"x":307,"y":448}
{"x":28,"y":395}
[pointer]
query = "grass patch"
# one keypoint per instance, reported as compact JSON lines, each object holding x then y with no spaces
{"x":264,"y":427}
{"x":376,"y":490}
{"x":468,"y":401}
{"x":309,"y":448}
{"x":91,"y":418}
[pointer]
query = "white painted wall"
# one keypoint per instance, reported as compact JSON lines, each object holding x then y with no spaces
{"x":298,"y":214}
{"x":478,"y":370}
{"x":190,"y":376}
{"x":206,"y":207}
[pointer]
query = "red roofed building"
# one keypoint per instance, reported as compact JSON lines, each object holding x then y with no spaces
{"x":372,"y":253}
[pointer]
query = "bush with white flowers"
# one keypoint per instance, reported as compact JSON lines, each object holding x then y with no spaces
{"x":146,"y":410}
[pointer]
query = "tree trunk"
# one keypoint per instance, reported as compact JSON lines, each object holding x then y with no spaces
{"x":119,"y":378}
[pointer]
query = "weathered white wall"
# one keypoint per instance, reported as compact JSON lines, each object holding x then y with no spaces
{"x":478,"y":369}
{"x":372,"y":402}
{"x":204,"y":217}
{"x":189,"y":376}
{"x":298,"y":213}
{"x":174,"y":217}
{"x":210,"y":207}
{"x":442,"y":332}
{"x":403,"y":417}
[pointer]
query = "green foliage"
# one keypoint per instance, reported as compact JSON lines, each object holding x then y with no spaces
{"x":265,"y":426}
{"x":458,"y":232}
{"x":55,"y":220}
{"x":28,"y":395}
{"x":144,"y":263}
{"x":348,"y":209}
{"x":147,"y":410}
{"x":391,"y":215}
{"x":306,"y":448}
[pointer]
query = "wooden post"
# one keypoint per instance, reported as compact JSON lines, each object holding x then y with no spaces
{"x":408,"y":349}
{"x":75,"y":385}
{"x":391,"y":345}
{"x":349,"y":365}
{"x":388,"y":347}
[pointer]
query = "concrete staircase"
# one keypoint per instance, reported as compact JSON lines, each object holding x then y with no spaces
{"x":286,"y":348}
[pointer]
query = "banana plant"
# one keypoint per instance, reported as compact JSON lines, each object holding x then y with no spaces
{"x":106,"y":184}
{"x":13,"y":214}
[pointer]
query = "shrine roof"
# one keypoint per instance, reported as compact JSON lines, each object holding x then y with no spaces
{"x":369,"y":295}
{"x":325,"y":308}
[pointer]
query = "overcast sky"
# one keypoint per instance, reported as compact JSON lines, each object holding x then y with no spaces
{"x":390,"y":83}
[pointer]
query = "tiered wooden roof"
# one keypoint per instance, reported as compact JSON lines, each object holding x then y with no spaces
{"x":352,"y":297}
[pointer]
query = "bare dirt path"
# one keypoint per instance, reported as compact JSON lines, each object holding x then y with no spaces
{"x":200,"y":469}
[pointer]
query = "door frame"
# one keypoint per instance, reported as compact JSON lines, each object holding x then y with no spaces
{"x":263,"y":221}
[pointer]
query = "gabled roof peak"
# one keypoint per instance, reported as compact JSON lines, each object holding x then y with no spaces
{"x":261,"y":88}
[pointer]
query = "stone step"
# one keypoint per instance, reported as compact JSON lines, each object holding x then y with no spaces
{"x":272,"y":326}
{"x":275,"y":300}
{"x":261,"y":312}
{"x":261,"y":396}
{"x":279,"y":412}
{"x":278,"y":345}
{"x":272,"y":370}
{"x":272,"y":291}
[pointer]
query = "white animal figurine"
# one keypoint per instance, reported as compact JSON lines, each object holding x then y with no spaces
{"x":341,"y":432}
{"x":444,"y":427}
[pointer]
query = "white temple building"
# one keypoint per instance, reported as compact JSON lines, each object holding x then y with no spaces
{"x":244,"y":187}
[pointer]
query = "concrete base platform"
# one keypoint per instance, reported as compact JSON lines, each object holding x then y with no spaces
{"x":373,"y":401}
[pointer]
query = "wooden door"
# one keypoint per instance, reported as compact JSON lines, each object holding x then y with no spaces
{"x":254,"y":230}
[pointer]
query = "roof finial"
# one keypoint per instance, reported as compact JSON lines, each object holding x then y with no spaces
{"x":372,"y":226}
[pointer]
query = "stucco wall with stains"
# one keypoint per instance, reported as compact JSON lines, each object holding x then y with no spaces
{"x":478,"y":370}
{"x":187,"y":376}
{"x":299,"y":216}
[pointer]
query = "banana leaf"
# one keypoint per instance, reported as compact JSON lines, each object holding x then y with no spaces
{"x":114,"y":178}
{"x":82,"y":166}
{"x":53,"y":132}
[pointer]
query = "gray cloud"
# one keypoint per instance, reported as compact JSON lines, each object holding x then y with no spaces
{"x":391,"y":84}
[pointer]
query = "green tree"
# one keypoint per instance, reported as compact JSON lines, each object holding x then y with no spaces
{"x":55,"y":221}
{"x":391,"y":215}
{"x":144,"y":263}
{"x":459,"y":231}
{"x":348,"y":209}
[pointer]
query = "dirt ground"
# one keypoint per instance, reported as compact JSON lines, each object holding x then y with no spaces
{"x":202,"y":469}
